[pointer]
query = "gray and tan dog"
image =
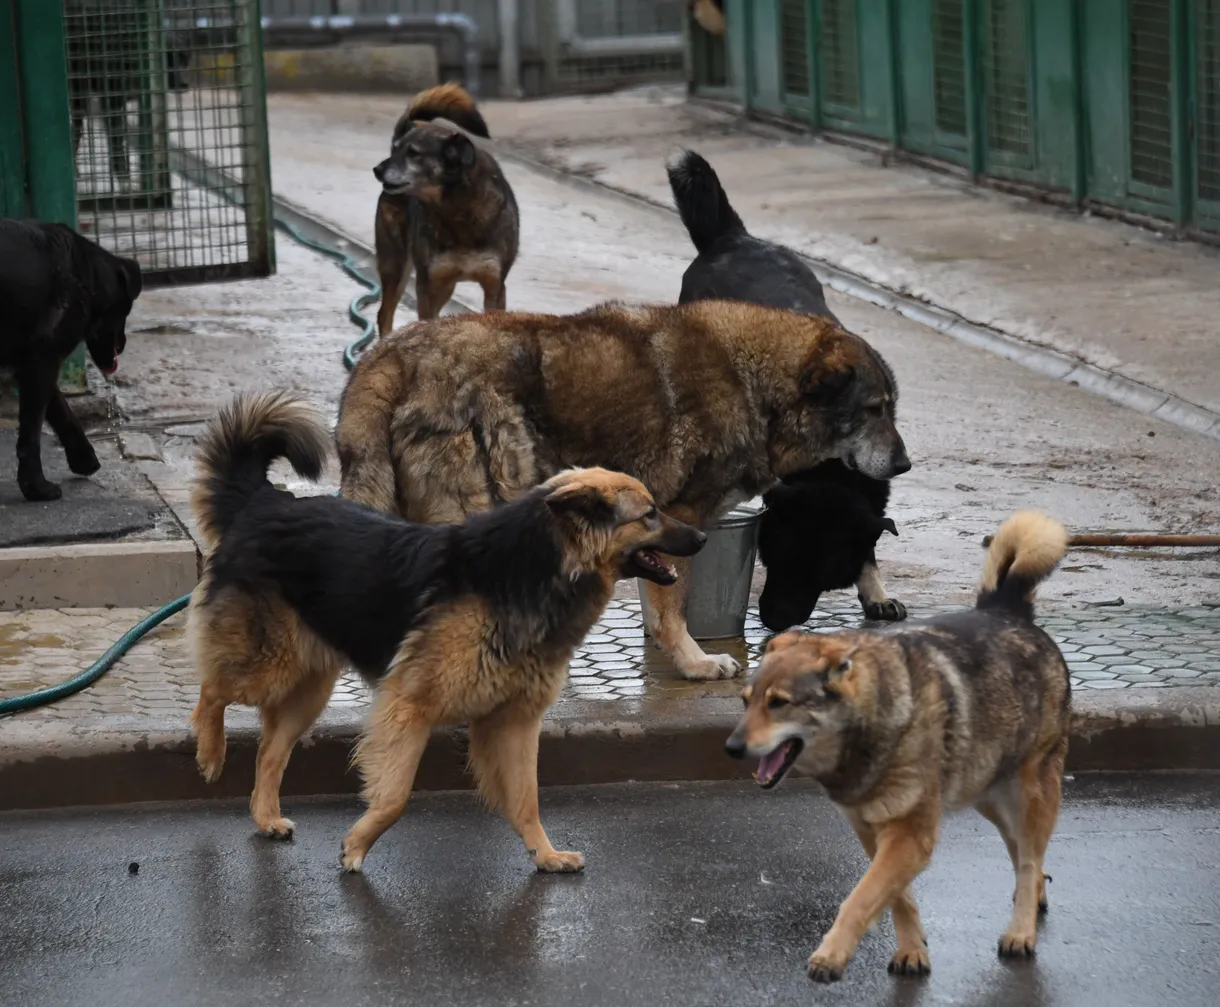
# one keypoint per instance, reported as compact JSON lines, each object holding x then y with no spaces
{"x":971,"y":708}
{"x":707,"y":404}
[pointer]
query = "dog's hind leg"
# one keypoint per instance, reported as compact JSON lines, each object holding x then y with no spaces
{"x":870,"y":589}
{"x":208,"y":721}
{"x":432,"y":293}
{"x":668,"y":628}
{"x":911,"y":958}
{"x":504,"y":756}
{"x":1033,"y":809}
{"x":283,"y":724}
{"x":388,"y":756}
{"x":904,"y":848}
{"x":36,"y":385}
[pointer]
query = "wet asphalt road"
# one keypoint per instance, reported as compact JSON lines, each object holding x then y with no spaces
{"x":694,"y":894}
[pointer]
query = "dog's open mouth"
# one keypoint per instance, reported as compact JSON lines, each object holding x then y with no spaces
{"x":773,"y":766}
{"x":114,"y":366}
{"x":647,"y":563}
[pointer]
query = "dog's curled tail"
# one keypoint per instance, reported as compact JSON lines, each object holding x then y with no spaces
{"x":702,"y":204}
{"x":445,"y":101}
{"x":240,"y":445}
{"x":1022,"y":554}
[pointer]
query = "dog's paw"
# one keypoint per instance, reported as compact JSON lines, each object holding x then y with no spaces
{"x":890,"y":610}
{"x":913,"y":962}
{"x":560,"y":862}
{"x":210,"y":768}
{"x":711,"y":668}
{"x":39,"y":489}
{"x":277,"y":828}
{"x":351,"y":859}
{"x":1018,"y":945}
{"x":826,"y":966}
{"x":84,"y":461}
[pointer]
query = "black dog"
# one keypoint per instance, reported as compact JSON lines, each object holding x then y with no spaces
{"x":821,"y":526}
{"x":818,"y":534}
{"x":57,"y":289}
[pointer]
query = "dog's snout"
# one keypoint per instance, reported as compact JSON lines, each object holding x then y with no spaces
{"x":700,"y":539}
{"x":735,"y":746}
{"x":379,"y":171}
{"x":900,"y":463}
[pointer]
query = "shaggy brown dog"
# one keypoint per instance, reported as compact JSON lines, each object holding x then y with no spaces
{"x":707,"y":404}
{"x":461,"y":623}
{"x":901,"y":725}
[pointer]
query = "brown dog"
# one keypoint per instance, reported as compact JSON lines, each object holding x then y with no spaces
{"x":445,"y":209}
{"x":900,"y":725}
{"x":463,"y":623}
{"x":707,"y":404}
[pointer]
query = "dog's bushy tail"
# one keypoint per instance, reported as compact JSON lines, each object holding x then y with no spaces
{"x":240,"y":445}
{"x":701,"y":200}
{"x":445,"y":101}
{"x":1022,"y":554}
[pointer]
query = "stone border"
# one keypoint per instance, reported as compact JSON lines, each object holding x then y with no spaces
{"x":138,"y":574}
{"x":582,"y":743}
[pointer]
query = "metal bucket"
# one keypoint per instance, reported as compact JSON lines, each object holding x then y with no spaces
{"x":720,"y":577}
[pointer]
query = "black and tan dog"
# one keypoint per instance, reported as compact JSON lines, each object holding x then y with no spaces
{"x":903,"y":724}
{"x":445,"y":211}
{"x":707,"y":404}
{"x":462,"y":623}
{"x":57,"y":289}
{"x":820,"y":527}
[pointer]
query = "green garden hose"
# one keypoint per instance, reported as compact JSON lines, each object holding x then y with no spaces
{"x":355,"y":312}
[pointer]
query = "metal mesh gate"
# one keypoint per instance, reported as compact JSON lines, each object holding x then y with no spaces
{"x":840,"y":54}
{"x":169,"y":130}
{"x":794,"y":47}
{"x":948,"y":67}
{"x":1207,"y":98}
{"x":1150,"y":108}
{"x":601,"y":44}
{"x":1006,"y":82}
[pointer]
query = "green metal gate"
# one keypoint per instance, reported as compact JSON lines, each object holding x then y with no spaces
{"x":1108,"y":103}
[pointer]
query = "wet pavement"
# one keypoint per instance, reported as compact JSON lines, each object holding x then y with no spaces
{"x":694,"y":894}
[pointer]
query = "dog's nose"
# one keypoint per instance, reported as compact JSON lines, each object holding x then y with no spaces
{"x":379,"y":172}
{"x":700,"y":539}
{"x":735,"y":747}
{"x":900,"y":463}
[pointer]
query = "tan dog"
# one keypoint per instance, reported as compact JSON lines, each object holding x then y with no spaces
{"x":904,"y":724}
{"x":707,"y":404}
{"x":460,"y":623}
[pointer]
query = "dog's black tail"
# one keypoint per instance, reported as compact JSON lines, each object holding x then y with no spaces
{"x":240,"y":445}
{"x":702,"y":203}
{"x":445,"y":101}
{"x":1022,"y":554}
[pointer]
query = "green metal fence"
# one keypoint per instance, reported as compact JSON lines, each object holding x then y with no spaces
{"x":1106,"y":103}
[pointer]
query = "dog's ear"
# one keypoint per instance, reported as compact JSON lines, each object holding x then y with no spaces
{"x":841,"y":675}
{"x":582,"y":501}
{"x":887,"y":524}
{"x":131,"y":280}
{"x":827,"y":370}
{"x":783,"y":642}
{"x":459,"y":151}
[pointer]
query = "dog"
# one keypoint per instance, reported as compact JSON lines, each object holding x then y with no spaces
{"x":819,"y":533}
{"x":708,"y":14}
{"x":445,"y":211}
{"x":473,"y":622}
{"x":707,"y":404}
{"x":57,"y":289}
{"x":814,"y":534}
{"x":902,"y":724}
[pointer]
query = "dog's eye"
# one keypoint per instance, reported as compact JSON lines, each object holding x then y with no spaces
{"x":775,"y":702}
{"x":412,"y":150}
{"x":651,"y":514}
{"x":877,"y":410}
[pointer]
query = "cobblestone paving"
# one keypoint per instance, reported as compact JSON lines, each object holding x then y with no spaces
{"x":1106,"y":648}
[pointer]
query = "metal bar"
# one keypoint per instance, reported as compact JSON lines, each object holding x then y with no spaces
{"x":510,"y":48}
{"x":891,"y":38}
{"x":345,"y":25}
{"x":260,"y":237}
{"x":1180,"y":119}
{"x":1080,"y":174}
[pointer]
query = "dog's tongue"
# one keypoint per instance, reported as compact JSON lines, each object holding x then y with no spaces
{"x":112,"y":368}
{"x":771,"y":763}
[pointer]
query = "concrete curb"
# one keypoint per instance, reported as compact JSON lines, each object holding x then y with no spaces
{"x":1108,"y":384}
{"x":98,"y":574}
{"x":582,"y":743}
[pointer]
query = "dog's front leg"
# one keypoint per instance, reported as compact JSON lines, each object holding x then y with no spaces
{"x":870,"y":589}
{"x":82,"y":459}
{"x":904,"y":847}
{"x":668,"y":628}
{"x":35,"y":387}
{"x":504,"y":757}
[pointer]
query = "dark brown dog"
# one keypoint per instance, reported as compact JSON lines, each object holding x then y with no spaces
{"x":707,"y":404}
{"x":465,"y":623}
{"x":445,"y":211}
{"x":902,"y":725}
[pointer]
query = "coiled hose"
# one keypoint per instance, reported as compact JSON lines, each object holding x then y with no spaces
{"x":355,"y":312}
